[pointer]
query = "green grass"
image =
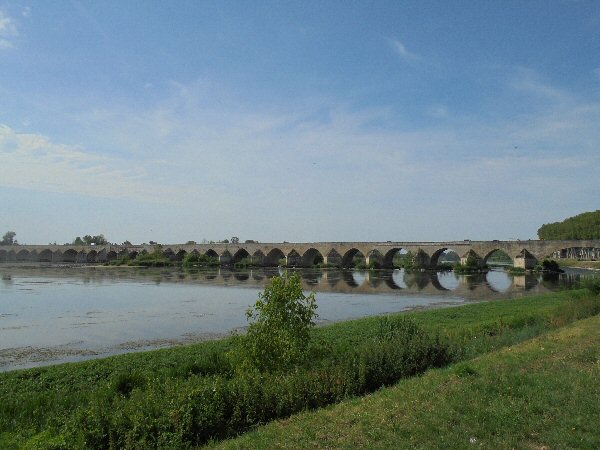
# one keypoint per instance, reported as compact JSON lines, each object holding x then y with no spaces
{"x":543,"y":393}
{"x":41,"y":406}
{"x":580,"y":264}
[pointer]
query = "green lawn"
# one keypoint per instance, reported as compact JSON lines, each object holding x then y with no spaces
{"x":543,"y":393}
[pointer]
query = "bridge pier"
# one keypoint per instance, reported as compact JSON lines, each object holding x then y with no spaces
{"x":525,"y":260}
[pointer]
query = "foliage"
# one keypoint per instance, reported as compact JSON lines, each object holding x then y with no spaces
{"x":9,"y":238}
{"x":403,"y":260}
{"x":153,"y":259}
{"x":122,"y":261}
{"x":197,"y":260}
{"x":89,"y":240}
{"x":582,"y":226}
{"x":471,"y":265}
{"x":279,"y":333}
{"x":548,"y":265}
{"x":244,"y":263}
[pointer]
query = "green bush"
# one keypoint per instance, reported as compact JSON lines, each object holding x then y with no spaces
{"x":279,"y":335}
{"x":197,"y":260}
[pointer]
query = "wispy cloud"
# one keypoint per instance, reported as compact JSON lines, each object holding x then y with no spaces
{"x":33,"y":161}
{"x":530,"y":82}
{"x":404,"y":53}
{"x":8,"y":30}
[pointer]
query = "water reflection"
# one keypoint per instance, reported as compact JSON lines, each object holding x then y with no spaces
{"x":55,"y":314}
{"x":397,"y":282}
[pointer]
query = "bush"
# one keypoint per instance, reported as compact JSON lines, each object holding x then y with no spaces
{"x":279,"y":335}
{"x":197,"y":260}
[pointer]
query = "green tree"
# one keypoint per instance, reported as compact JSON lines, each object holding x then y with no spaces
{"x":89,"y":240}
{"x":8,"y":238}
{"x":582,"y":226}
{"x":279,"y":333}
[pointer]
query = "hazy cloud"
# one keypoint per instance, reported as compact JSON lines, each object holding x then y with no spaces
{"x":401,"y":50}
{"x":8,"y":30}
{"x":33,"y":161}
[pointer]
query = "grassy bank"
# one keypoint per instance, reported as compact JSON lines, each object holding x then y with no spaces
{"x":164,"y":397}
{"x":579,"y":264}
{"x":542,"y":393}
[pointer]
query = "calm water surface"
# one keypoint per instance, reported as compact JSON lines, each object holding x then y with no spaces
{"x":50,"y":315}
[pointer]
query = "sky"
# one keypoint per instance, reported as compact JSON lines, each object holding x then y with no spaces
{"x":297,"y":120}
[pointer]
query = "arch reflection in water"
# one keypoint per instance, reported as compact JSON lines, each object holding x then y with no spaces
{"x":398,"y":282}
{"x":498,"y":281}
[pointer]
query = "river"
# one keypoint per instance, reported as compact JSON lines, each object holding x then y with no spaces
{"x":52,"y":314}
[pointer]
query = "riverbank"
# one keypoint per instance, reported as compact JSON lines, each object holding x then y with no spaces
{"x":61,"y":405}
{"x":542,"y":393}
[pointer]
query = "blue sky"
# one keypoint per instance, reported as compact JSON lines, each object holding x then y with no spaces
{"x":297,"y":121}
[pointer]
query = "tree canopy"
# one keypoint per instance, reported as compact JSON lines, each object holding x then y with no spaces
{"x":8,"y":238}
{"x":582,"y":226}
{"x":89,"y":240}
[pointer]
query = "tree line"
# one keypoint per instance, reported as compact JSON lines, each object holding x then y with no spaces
{"x":581,"y":226}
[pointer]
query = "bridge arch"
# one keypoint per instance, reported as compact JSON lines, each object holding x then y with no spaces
{"x":293,"y":258}
{"x":225,"y":257}
{"x":45,"y":255}
{"x":213,"y":255}
{"x":111,"y":256}
{"x":333,"y":258}
{"x":442,"y":255}
{"x":258,"y":258}
{"x":352,"y":258}
{"x":180,"y":255}
{"x":395,"y":257}
{"x":238,"y":256}
{"x":91,"y":256}
{"x":69,"y":256}
{"x":375,"y":259}
{"x":22,"y":255}
{"x":273,"y":257}
{"x":311,"y":257}
{"x":497,"y":255}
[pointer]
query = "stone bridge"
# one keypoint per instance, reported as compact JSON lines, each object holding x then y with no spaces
{"x":524,"y":254}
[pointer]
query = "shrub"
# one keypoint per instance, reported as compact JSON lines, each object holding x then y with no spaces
{"x":279,"y":335}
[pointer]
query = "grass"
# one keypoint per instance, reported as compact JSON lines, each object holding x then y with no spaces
{"x":542,"y":393}
{"x":39,"y":405}
{"x":579,"y":264}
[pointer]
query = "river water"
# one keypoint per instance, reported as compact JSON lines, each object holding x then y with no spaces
{"x":55,"y":314}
